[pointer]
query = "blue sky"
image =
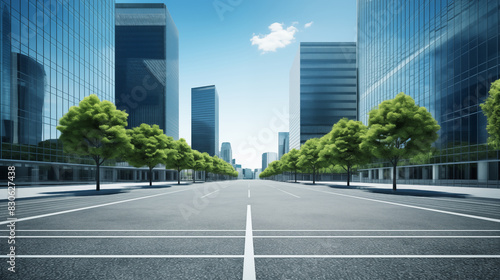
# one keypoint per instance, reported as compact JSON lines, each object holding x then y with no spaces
{"x":215,"y":47}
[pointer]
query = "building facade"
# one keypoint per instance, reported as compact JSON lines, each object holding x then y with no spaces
{"x":205,"y":119}
{"x":147,"y":66}
{"x":444,"y":54}
{"x":267,"y":158}
{"x":226,"y":152}
{"x":52,"y":55}
{"x":283,"y":140}
{"x":323,"y":89}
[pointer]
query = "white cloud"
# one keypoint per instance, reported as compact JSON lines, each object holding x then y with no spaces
{"x":307,"y":25}
{"x":278,"y":38}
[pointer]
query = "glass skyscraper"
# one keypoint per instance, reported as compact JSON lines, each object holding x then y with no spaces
{"x":267,"y":158}
{"x":445,"y":54}
{"x":283,"y":140}
{"x":147,"y":66}
{"x":323,"y":89}
{"x":52,"y":55}
{"x":205,"y":119}
{"x":226,"y":152}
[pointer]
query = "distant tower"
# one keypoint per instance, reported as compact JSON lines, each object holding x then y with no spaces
{"x":283,"y":139}
{"x":205,"y":119}
{"x":226,"y":153}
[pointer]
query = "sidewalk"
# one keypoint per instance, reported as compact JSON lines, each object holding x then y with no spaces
{"x":83,"y":189}
{"x":493,"y":193}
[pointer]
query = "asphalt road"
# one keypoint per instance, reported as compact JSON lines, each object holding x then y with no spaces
{"x":253,"y":230}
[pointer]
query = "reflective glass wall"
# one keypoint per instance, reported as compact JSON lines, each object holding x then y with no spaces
{"x":444,"y":54}
{"x":323,"y":89}
{"x":147,"y":67}
{"x":205,"y":119}
{"x":52,"y":54}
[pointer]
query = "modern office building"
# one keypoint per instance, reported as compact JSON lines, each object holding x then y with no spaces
{"x":247,"y":173}
{"x":205,"y":119}
{"x":267,"y":158}
{"x":444,"y":54}
{"x":51,"y":57}
{"x":147,"y":66}
{"x":323,"y":89}
{"x":283,"y":139}
{"x":226,"y":153}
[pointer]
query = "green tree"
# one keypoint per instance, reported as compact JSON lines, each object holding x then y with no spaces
{"x":291,"y":162}
{"x":399,"y":129}
{"x":209,"y":164}
{"x":95,"y":129}
{"x":180,"y":157}
{"x":343,"y":145}
{"x":309,"y":156}
{"x":491,"y":109}
{"x":199,"y":163}
{"x":150,"y":146}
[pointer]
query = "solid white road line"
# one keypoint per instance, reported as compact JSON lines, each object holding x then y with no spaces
{"x":126,"y":236}
{"x":130,"y":230}
{"x":379,"y":256}
{"x":256,"y":256}
{"x":123,"y":256}
{"x":91,"y":207}
{"x":409,"y":206}
{"x":248,"y":260}
{"x":210,"y":193}
{"x":287,"y":192}
{"x":377,"y":230}
{"x":375,"y":236}
{"x":263,"y":230}
{"x":260,"y":236}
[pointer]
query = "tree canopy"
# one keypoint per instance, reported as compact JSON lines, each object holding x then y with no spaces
{"x":342,"y":146}
{"x":309,"y":159}
{"x":150,"y":147}
{"x":180,"y":157}
{"x":399,"y":129}
{"x":95,"y":129}
{"x":491,"y":109}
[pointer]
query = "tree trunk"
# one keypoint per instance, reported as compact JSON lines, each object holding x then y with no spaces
{"x":194,"y":176}
{"x":98,"y":176}
{"x":295,"y":176}
{"x":394,"y":169}
{"x":150,"y":176}
{"x":178,"y":176}
{"x":348,"y":177}
{"x":314,"y":176}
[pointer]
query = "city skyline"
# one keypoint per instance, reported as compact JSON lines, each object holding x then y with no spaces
{"x":252,"y":83}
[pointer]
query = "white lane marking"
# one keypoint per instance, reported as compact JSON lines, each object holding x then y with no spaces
{"x":248,"y":193}
{"x":248,"y":260}
{"x":261,"y":236}
{"x":379,"y":256}
{"x":210,"y":193}
{"x":286,"y":192}
{"x":377,"y":230}
{"x":257,"y":256}
{"x":126,"y":236}
{"x":376,"y":236}
{"x":90,"y":207}
{"x":409,"y":206}
{"x":123,"y":256}
{"x":460,"y":201}
{"x":131,"y":230}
